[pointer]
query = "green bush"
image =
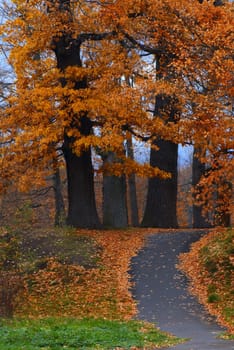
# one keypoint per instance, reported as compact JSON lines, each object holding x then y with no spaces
{"x":212,"y":298}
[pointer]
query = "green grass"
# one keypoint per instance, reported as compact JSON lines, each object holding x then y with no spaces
{"x":227,"y":336}
{"x":30,"y":250}
{"x":74,"y":334}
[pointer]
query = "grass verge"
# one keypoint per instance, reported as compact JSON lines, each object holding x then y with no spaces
{"x":210,"y":267}
{"x":74,"y":334}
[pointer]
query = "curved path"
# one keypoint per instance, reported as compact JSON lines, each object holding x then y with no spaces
{"x":161,"y":291}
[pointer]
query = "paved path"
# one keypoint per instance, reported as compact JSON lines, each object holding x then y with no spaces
{"x":163,"y":297}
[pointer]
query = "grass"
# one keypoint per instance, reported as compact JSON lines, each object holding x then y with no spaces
{"x":71,"y":334}
{"x":60,"y":243}
{"x":30,"y":249}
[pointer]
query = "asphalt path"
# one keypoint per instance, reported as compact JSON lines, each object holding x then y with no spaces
{"x":163,"y":297}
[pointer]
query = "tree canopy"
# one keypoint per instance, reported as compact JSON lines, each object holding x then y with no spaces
{"x":73,"y":61}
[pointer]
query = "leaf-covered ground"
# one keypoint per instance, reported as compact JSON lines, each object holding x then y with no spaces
{"x":210,"y":267}
{"x":60,"y":286}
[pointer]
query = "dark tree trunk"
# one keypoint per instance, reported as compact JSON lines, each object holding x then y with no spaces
{"x":132,"y":189}
{"x":60,"y":214}
{"x":115,"y":214}
{"x":198,"y":170}
{"x":133,"y":200}
{"x":81,"y":197}
{"x":161,"y":199}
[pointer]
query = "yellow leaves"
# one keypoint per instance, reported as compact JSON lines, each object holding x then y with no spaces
{"x":75,"y":73}
{"x":129,"y":167}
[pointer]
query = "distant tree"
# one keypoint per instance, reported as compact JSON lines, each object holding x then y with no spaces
{"x":132,"y":188}
{"x":60,"y":213}
{"x":184,"y":198}
{"x":115,"y":213}
{"x":198,"y":170}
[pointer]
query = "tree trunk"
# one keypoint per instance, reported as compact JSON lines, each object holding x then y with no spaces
{"x":198,"y":170}
{"x":161,"y":199}
{"x":132,"y":189}
{"x":133,"y":200}
{"x":115,"y":214}
{"x":82,"y":210}
{"x":60,"y":214}
{"x":81,"y":197}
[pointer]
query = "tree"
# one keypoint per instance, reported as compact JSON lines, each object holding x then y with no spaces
{"x":209,"y":200}
{"x":198,"y":170}
{"x":60,"y":213}
{"x":161,"y":202}
{"x":132,"y":188}
{"x":210,"y":116}
{"x":115,"y":213}
{"x":184,"y":202}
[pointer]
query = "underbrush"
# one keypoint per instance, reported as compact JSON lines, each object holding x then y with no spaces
{"x":71,"y":334}
{"x":210,"y":267}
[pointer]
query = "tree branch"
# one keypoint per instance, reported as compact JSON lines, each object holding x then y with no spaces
{"x":95,"y":36}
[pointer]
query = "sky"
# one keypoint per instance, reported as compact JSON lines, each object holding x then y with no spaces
{"x":142,"y":154}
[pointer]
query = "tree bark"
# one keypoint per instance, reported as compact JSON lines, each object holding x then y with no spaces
{"x":60,"y":214}
{"x":133,"y":200}
{"x":81,"y":197}
{"x":132,"y":189}
{"x":115,"y":214}
{"x":161,"y":199}
{"x":198,"y":170}
{"x":82,"y":210}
